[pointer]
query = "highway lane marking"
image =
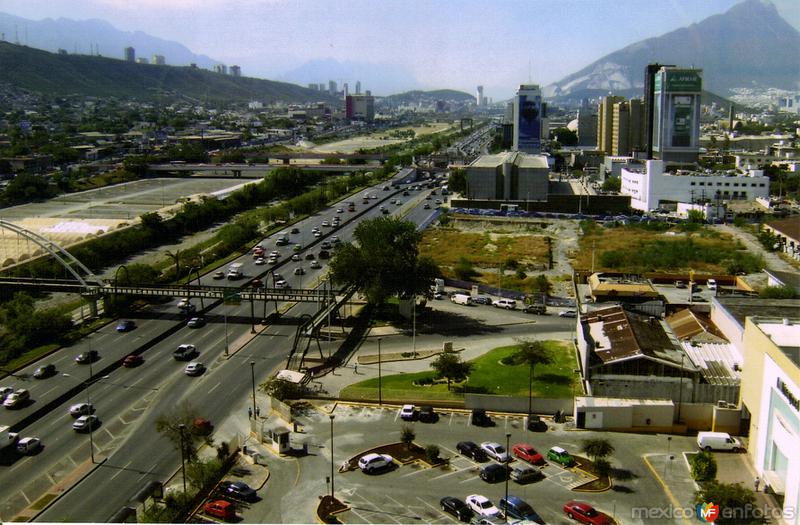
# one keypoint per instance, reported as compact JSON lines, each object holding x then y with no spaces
{"x":214,"y":387}
{"x":121,"y":470}
{"x":148,"y":472}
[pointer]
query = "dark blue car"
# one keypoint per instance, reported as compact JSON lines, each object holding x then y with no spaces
{"x":125,"y":325}
{"x":519,"y":509}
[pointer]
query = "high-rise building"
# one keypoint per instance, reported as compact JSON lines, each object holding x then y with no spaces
{"x":479,"y":100}
{"x":627,"y":127}
{"x":676,"y":114}
{"x":360,"y":107}
{"x":130,"y":54}
{"x":358,"y":87}
{"x":222,"y":69}
{"x":605,"y":122}
{"x":159,"y":60}
{"x":236,"y":71}
{"x":322,"y":86}
{"x":528,"y":114}
{"x":587,"y":126}
{"x":649,"y":105}
{"x":314,"y":86}
{"x":142,"y":60}
{"x":345,"y":89}
{"x":332,"y":88}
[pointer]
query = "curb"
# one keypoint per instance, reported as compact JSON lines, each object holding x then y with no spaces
{"x":664,"y":486}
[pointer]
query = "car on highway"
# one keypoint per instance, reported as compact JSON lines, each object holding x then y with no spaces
{"x":221,"y":509}
{"x":426,"y":206}
{"x":584,"y":513}
{"x":527,"y":453}
{"x":310,"y":256}
{"x":238,"y":490}
{"x":471,"y":450}
{"x":16,"y":398}
{"x":185,"y":352}
{"x":482,"y":506}
{"x":89,"y":356}
{"x":339,"y":210}
{"x":45,"y":371}
{"x":519,"y":509}
{"x":493,"y":472}
{"x":297,"y":248}
{"x":373,"y":462}
{"x":457,"y":508}
{"x":325,"y":245}
{"x":185,"y":303}
{"x":196,"y":322}
{"x":326,"y":224}
{"x":408,"y":413}
{"x":194,"y":369}
{"x":281,"y":283}
{"x":560,"y":456}
{"x":508,"y":304}
{"x":132,"y":361}
{"x":296,"y":257}
{"x":295,"y":230}
{"x":5,"y":391}
{"x":218,"y":275}
{"x":257,"y":283}
{"x":324,"y":254}
{"x":81,"y":409}
{"x":28,"y":445}
{"x":261,"y":261}
{"x":315,"y":265}
{"x":568,"y":313}
{"x":495,"y":451}
{"x":126,"y":325}
{"x":335,"y":239}
{"x":299,"y":271}
{"x":87,"y":422}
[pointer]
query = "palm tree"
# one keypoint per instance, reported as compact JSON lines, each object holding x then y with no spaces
{"x":531,"y":353}
{"x":597,"y":448}
{"x":177,"y":258}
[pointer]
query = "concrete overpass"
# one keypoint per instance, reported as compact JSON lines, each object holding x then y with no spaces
{"x":252,"y":170}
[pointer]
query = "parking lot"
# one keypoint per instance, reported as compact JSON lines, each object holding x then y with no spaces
{"x":410,"y":493}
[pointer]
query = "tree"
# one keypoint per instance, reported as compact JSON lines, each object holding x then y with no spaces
{"x":704,"y":466}
{"x":697,"y":217}
{"x":281,"y":389}
{"x":191,"y":437}
{"x":565,"y":136}
{"x":464,"y":269}
{"x":432,"y":453}
{"x":450,"y":366}
{"x":778,"y":292}
{"x":457,"y":182}
{"x":734,"y":500}
{"x":612,"y":184}
{"x":407,"y":436}
{"x":384,"y":261}
{"x":531,"y":353}
{"x":597,"y":449}
{"x":542,"y":284}
{"x":176,"y":257}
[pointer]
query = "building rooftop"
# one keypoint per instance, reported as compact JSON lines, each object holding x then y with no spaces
{"x":586,"y":401}
{"x":741,"y":307}
{"x":785,"y":333}
{"x":521,"y":160}
{"x":719,"y":364}
{"x":788,"y":227}
{"x":687,"y":324}
{"x":791,"y":279}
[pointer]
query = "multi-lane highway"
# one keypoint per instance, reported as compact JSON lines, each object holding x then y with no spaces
{"x":128,"y":400}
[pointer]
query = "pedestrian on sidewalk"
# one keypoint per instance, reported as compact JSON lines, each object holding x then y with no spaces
{"x":756,"y":483}
{"x":258,"y":411}
{"x":355,"y":368}
{"x":249,"y":413}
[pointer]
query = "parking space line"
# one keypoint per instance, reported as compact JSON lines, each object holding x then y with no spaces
{"x":438,"y":511}
{"x":472,"y":478}
{"x":445,"y":475}
{"x":414,"y":472}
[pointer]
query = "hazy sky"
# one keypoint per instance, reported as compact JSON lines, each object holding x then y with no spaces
{"x":448,"y":43}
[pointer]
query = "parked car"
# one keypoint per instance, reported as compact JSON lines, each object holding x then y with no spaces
{"x":132,"y":361}
{"x":527,"y":453}
{"x":568,"y":313}
{"x":680,"y":284}
{"x":408,"y":413}
{"x":372,"y":462}
{"x":471,"y":450}
{"x":89,"y":356}
{"x":535,"y":424}
{"x":222,"y":509}
{"x":508,"y":304}
{"x":519,"y":509}
{"x":481,"y":419}
{"x":495,"y":451}
{"x":493,"y":472}
{"x":87,"y":422}
{"x":239,"y":490}
{"x":194,"y":369}
{"x":524,"y":473}
{"x":457,"y":508}
{"x":125,"y":325}
{"x":561,"y":456}
{"x":585,"y":513}
{"x":28,"y":445}
{"x":81,"y":409}
{"x":718,"y":441}
{"x":482,"y":299}
{"x":45,"y":371}
{"x":482,"y":506}
{"x":427,"y":414}
{"x":17,"y":398}
{"x":196,"y":322}
{"x":536,"y":309}
{"x":184,"y":352}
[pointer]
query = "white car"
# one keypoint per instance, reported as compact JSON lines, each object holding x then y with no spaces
{"x":568,"y":313}
{"x":275,"y":254}
{"x":85,"y":423}
{"x":508,"y":304}
{"x":28,"y":445}
{"x":296,"y":257}
{"x":407,"y":412}
{"x":339,"y":210}
{"x":81,"y":409}
{"x":326,"y":224}
{"x":194,"y":368}
{"x":372,"y":462}
{"x":318,"y":234}
{"x":5,"y":391}
{"x":495,"y":451}
{"x":260,"y":261}
{"x":280,"y":283}
{"x":334,"y":239}
{"x":315,"y":264}
{"x":16,"y":398}
{"x":481,"y":506}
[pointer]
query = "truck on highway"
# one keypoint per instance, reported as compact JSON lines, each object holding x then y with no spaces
{"x":235,"y":271}
{"x":7,"y":438}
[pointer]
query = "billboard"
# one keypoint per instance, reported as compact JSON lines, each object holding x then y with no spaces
{"x":529,"y":123}
{"x":682,"y":120}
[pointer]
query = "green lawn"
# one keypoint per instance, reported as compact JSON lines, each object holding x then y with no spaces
{"x":488,"y":376}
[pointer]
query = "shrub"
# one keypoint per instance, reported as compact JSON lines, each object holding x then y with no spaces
{"x":704,"y":466}
{"x":432,"y":453}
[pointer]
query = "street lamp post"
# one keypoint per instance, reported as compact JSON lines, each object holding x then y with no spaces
{"x":89,"y":402}
{"x":680,"y":390}
{"x":253,"y":377}
{"x":181,"y":428}
{"x":505,"y":508}
{"x":332,"y":487}
{"x":226,"y":333}
{"x":380,"y":393}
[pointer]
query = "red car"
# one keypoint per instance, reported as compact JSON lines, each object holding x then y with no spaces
{"x":585,"y":513}
{"x":527,"y":453}
{"x":132,"y":361}
{"x":224,"y":510}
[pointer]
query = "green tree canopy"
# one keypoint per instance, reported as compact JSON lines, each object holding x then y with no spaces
{"x":733,"y":499}
{"x":597,"y":448}
{"x":612,"y":184}
{"x":532,"y":353}
{"x":450,"y":366}
{"x":384,"y":261}
{"x":457,"y":181}
{"x":169,"y":425}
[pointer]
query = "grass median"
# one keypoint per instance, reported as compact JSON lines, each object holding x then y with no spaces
{"x":489,"y":376}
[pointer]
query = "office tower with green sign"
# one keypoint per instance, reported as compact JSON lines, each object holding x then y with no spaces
{"x":676,"y":114}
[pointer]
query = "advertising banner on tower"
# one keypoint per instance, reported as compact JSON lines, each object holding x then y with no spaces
{"x":530,"y":124}
{"x":682,"y":121}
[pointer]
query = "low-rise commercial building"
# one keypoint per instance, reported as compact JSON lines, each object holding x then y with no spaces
{"x":509,"y":175}
{"x":787,"y":233}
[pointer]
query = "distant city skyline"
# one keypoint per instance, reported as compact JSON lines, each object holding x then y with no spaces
{"x":453,"y":44}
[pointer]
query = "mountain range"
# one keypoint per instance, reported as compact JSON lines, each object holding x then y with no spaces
{"x":750,"y":45}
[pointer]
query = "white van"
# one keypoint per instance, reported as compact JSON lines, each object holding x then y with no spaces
{"x":712,"y":284}
{"x":461,"y":298}
{"x":718,"y":441}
